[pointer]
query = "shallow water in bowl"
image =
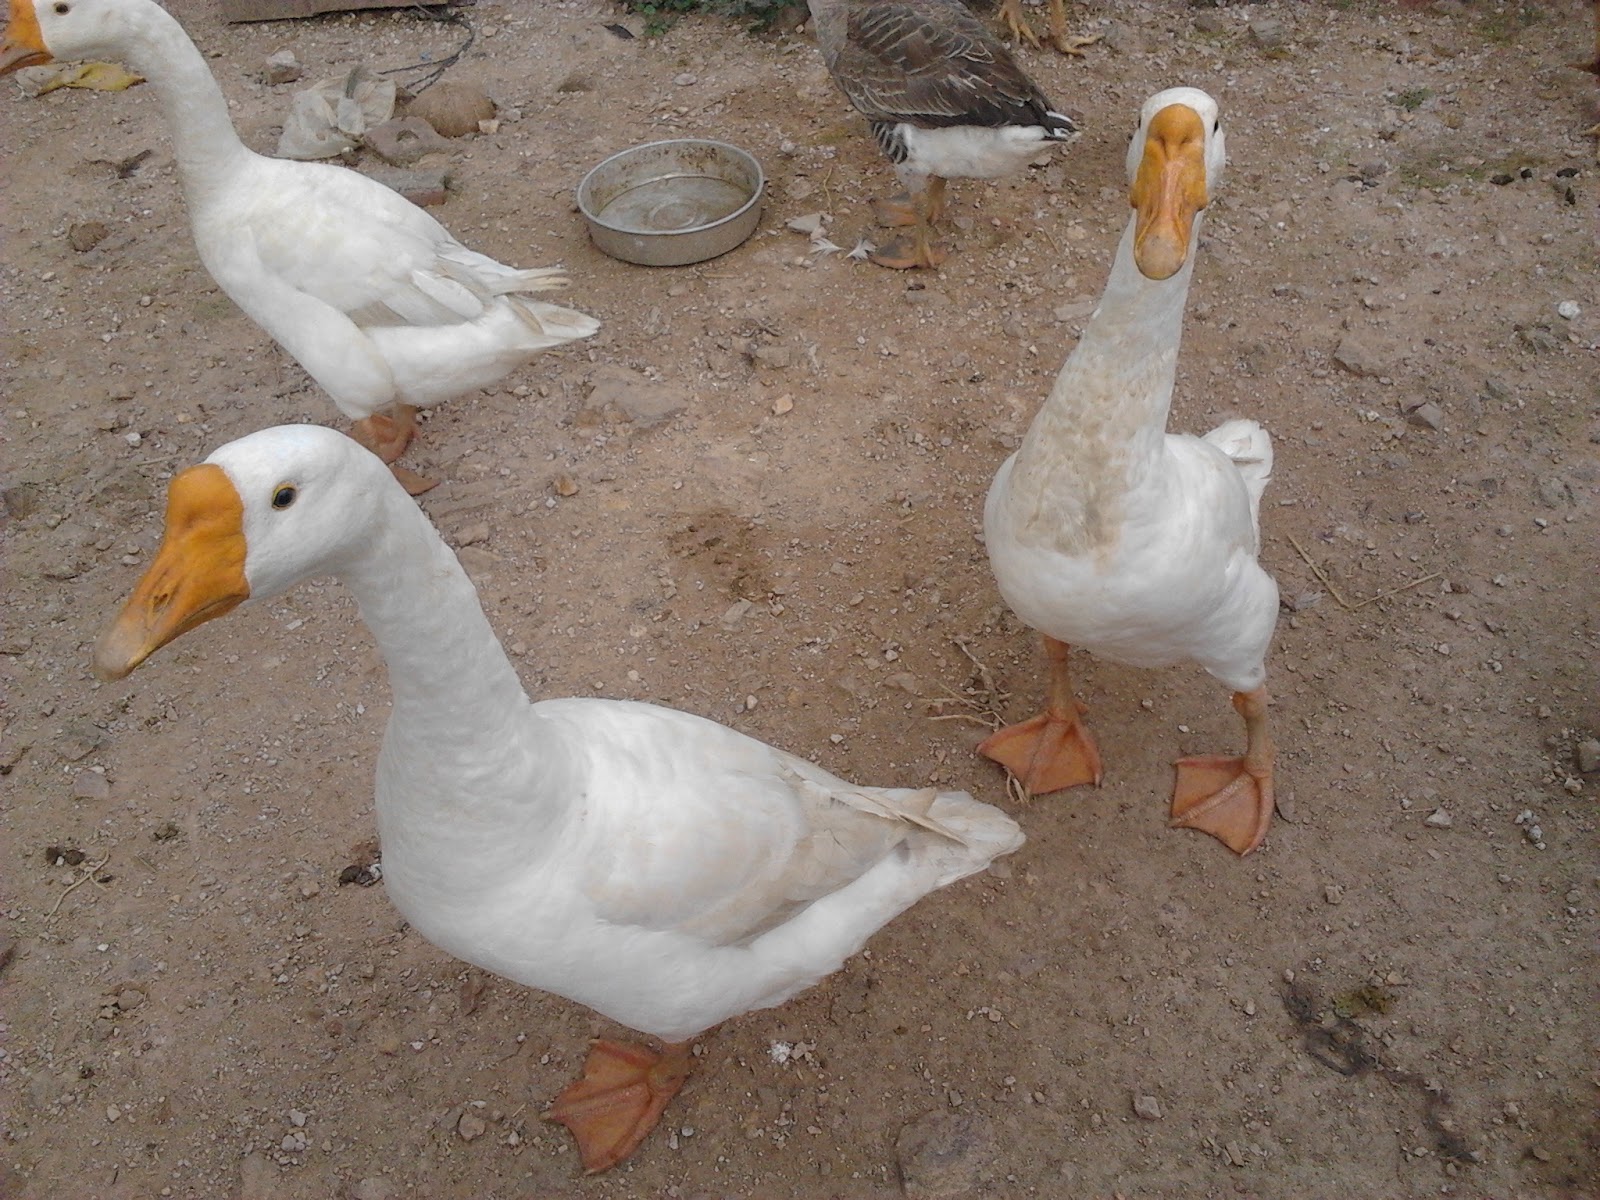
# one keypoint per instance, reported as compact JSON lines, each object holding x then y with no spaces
{"x":673,"y":202}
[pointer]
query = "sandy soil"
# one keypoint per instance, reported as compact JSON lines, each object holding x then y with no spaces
{"x":1394,"y":998}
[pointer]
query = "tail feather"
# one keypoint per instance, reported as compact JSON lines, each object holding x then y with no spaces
{"x":1248,"y":444}
{"x":552,"y":321}
{"x":982,"y":834}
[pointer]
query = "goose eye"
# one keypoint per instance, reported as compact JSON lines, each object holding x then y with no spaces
{"x":284,"y":496}
{"x":63,"y":9}
{"x":1216,"y":125}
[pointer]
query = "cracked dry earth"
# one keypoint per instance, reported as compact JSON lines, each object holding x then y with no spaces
{"x":1395,"y":997}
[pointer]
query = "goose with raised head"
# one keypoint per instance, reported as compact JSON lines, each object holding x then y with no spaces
{"x":380,"y":304}
{"x":945,"y":100}
{"x":1107,"y":532}
{"x":665,"y":870}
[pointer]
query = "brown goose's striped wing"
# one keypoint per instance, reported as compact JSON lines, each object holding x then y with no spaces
{"x":932,"y":63}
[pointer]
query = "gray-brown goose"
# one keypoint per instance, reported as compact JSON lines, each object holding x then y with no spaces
{"x":945,"y":100}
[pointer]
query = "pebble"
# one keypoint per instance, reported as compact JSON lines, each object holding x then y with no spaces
{"x":471,"y":1128}
{"x":1588,"y":755}
{"x":113,"y":1112}
{"x":685,"y":80}
{"x":634,"y":397}
{"x":944,"y":1153}
{"x":1359,"y":358}
{"x":1426,"y":415}
{"x":736,"y":613}
{"x":1333,"y":893}
{"x":1147,"y":1108}
{"x":84,"y":236}
{"x":1439,"y":819}
{"x":282,"y":67}
{"x":309,"y":888}
{"x":1269,"y":33}
{"x":90,"y":785}
{"x":424,"y":188}
{"x":129,"y":999}
{"x":1568,"y":310}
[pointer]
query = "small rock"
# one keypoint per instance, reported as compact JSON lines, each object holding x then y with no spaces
{"x":1211,"y":22}
{"x":1371,"y":171}
{"x":309,"y":888}
{"x":1426,"y":415}
{"x":773,"y":358}
{"x":281,"y":67}
{"x":129,"y":999}
{"x":453,"y":109}
{"x":1333,"y":894}
{"x":113,"y":1113}
{"x":783,"y":404}
{"x":565,"y":484}
{"x":90,"y":785}
{"x":1438,"y":819}
{"x":685,"y":80}
{"x":79,"y":740}
{"x":1554,"y":492}
{"x":1538,"y":337}
{"x":634,"y":397}
{"x":1568,"y":310}
{"x":424,"y":188}
{"x":736,"y":614}
{"x":944,"y":1154}
{"x":1357,"y":357}
{"x":471,"y":1128}
{"x":1269,"y":33}
{"x":403,"y":140}
{"x":84,"y":236}
{"x":1235,"y":1154}
{"x":1588,"y":755}
{"x":1147,"y":1108}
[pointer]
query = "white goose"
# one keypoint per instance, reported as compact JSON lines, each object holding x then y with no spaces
{"x":1107,"y":532}
{"x":370,"y":294}
{"x":658,"y":867}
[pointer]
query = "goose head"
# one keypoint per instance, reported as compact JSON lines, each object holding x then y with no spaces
{"x":1175,"y":162}
{"x":254,"y":519}
{"x":42,"y":31}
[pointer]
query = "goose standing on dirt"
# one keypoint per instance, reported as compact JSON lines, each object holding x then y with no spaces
{"x":371,"y":295}
{"x":1058,"y":38}
{"x":945,"y":101}
{"x":660,"y":868}
{"x":1139,"y":545}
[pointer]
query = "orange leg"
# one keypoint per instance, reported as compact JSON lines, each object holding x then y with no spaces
{"x":1064,"y":42}
{"x":1230,"y":798}
{"x":917,"y":252}
{"x":387,"y":437}
{"x":1053,"y":750}
{"x":620,"y":1097}
{"x":1022,"y":33}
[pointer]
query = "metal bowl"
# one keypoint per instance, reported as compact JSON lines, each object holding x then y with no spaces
{"x":666,"y":204}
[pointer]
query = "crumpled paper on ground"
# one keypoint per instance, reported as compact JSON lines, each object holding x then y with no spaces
{"x":98,"y":76}
{"x":330,"y":117}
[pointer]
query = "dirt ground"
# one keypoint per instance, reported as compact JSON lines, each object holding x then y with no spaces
{"x":1394,"y":998}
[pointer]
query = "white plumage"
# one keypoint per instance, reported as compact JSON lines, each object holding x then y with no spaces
{"x":1105,"y":531}
{"x":665,"y":870}
{"x":369,"y":293}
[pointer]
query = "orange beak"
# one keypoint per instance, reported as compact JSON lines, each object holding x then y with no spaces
{"x":197,"y":574}
{"x":1168,"y":190}
{"x":24,"y":45}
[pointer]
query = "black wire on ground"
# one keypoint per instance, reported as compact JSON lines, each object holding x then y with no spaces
{"x":436,"y":68}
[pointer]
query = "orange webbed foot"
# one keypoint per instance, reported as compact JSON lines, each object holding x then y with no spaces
{"x":619,"y":1099}
{"x":413,"y":483}
{"x":1221,"y":796}
{"x":1048,"y":753}
{"x":909,"y":254}
{"x":383,"y":435}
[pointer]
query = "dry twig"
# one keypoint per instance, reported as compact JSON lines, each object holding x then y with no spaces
{"x":88,"y":874}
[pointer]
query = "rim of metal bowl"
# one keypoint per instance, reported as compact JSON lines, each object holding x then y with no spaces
{"x":738,"y":152}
